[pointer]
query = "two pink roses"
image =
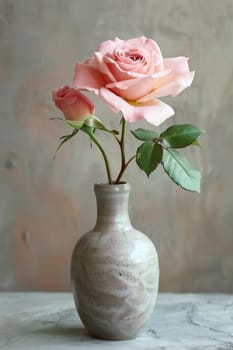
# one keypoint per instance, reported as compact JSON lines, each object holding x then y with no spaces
{"x":130,"y":76}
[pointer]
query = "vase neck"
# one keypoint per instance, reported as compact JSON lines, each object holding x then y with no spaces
{"x":112,"y":207}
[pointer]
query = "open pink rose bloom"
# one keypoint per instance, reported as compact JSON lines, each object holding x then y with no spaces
{"x":131,"y":76}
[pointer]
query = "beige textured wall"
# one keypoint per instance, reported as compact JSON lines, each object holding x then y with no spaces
{"x":45,"y":205}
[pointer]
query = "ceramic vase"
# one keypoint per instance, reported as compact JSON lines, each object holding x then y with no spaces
{"x":114,"y":270}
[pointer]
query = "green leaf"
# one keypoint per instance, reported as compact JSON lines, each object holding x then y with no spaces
{"x":95,"y":123}
{"x":64,"y":139}
{"x":181,"y":171}
{"x":115,"y":132}
{"x":77,"y":125}
{"x":179,"y":136}
{"x":145,"y":134}
{"x":148,"y":156}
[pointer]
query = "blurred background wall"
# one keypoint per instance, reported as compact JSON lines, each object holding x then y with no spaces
{"x":46,"y":204}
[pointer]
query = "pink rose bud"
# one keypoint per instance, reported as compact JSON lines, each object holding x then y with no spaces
{"x":73,"y":104}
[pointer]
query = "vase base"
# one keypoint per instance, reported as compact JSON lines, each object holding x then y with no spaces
{"x":112,"y":338}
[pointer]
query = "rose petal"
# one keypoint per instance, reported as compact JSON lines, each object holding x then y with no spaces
{"x":87,"y":77}
{"x":175,"y":82}
{"x":135,"y":89}
{"x":119,"y":73}
{"x":102,"y":66}
{"x":56,"y":99}
{"x":174,"y":87}
{"x":108,"y":46}
{"x":155,"y":112}
{"x":58,"y":94}
{"x":177,"y":64}
{"x":158,"y":113}
{"x":118,"y":104}
{"x":155,"y":49}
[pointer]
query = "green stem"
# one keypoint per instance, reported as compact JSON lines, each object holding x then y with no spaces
{"x":123,"y":169}
{"x":122,"y":142}
{"x":107,"y":165}
{"x":122,"y":147}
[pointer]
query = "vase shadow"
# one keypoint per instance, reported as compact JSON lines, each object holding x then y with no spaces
{"x":70,"y":332}
{"x":38,"y":330}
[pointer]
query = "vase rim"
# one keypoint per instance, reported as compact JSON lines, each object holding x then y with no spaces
{"x":106,"y":187}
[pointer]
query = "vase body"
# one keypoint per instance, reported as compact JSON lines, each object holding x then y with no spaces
{"x":114,"y":270}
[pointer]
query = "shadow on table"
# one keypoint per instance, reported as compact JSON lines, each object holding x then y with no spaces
{"x":43,"y":329}
{"x":56,"y":331}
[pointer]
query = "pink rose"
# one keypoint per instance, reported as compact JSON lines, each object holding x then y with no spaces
{"x":73,"y":104}
{"x":131,"y":75}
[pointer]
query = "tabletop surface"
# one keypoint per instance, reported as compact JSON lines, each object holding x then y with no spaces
{"x":180,"y":322}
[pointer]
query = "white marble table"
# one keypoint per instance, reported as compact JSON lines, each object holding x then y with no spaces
{"x":180,"y":321}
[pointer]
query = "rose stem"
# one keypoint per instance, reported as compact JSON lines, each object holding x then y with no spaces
{"x":122,"y":142}
{"x":124,"y":164}
{"x":106,"y":161}
{"x":123,"y":169}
